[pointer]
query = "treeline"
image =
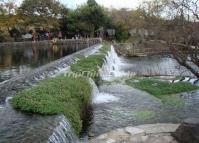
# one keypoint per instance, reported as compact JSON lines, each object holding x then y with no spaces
{"x":50,"y":16}
{"x":87,"y":20}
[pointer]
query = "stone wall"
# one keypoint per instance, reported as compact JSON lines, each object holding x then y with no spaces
{"x":145,"y":48}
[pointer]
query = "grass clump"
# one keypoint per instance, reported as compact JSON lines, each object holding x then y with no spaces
{"x":161,"y":88}
{"x":89,"y":66}
{"x":60,"y":95}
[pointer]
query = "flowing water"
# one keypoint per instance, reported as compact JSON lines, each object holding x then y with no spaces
{"x":127,"y":106}
{"x":19,"y":127}
{"x":115,"y":104}
{"x":111,"y":66}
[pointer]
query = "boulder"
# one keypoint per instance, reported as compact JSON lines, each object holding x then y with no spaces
{"x":188,"y":132}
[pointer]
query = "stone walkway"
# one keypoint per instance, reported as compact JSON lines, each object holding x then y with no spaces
{"x":151,"y":133}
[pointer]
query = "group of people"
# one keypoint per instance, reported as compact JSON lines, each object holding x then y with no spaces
{"x":46,"y":36}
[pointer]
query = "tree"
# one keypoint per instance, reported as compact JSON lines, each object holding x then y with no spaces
{"x":92,"y":15}
{"x":8,"y":18}
{"x":41,"y":13}
{"x":7,"y":7}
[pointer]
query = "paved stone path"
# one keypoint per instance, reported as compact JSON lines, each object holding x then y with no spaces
{"x":151,"y":133}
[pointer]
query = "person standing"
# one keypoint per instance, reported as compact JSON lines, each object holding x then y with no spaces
{"x":60,"y":35}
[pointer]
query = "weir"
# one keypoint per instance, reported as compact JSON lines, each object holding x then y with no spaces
{"x":36,"y":128}
{"x":24,"y":81}
{"x":57,"y":129}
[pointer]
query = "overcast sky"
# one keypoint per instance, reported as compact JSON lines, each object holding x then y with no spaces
{"x":107,"y":3}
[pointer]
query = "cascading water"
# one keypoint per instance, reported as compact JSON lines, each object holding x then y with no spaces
{"x":101,"y":97}
{"x":111,"y":67}
{"x":63,"y":133}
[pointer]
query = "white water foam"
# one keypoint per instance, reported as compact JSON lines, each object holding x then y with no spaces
{"x":111,"y":66}
{"x":104,"y":98}
{"x":1,"y":107}
{"x":8,"y":100}
{"x":99,"y":98}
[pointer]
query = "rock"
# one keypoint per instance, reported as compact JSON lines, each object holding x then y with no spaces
{"x":104,"y":136}
{"x":134,"y":131}
{"x":110,"y":141}
{"x":151,"y":133}
{"x":159,"y":128}
{"x":90,"y":134}
{"x":188,"y":132}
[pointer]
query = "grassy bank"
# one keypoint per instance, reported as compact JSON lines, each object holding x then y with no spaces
{"x":89,"y":66}
{"x":160,"y":88}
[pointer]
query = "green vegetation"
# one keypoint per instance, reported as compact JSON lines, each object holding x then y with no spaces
{"x":90,"y":65}
{"x":160,"y":88}
{"x":60,"y":95}
{"x":63,"y":95}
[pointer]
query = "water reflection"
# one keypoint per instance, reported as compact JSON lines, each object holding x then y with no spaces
{"x":14,"y":61}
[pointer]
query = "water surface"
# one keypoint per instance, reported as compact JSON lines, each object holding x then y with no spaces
{"x":20,"y":60}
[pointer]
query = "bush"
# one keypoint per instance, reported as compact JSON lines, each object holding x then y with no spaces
{"x":60,"y":95}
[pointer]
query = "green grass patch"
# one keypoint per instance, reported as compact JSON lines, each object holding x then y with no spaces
{"x":89,"y":66}
{"x":60,"y":95}
{"x":160,"y":88}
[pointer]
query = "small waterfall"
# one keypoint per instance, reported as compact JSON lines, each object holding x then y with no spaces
{"x":63,"y":133}
{"x":95,"y":91}
{"x":101,"y":97}
{"x":111,"y":66}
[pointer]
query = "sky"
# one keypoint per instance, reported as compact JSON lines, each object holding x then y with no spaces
{"x":107,"y":3}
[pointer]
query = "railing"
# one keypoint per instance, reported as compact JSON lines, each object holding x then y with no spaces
{"x":88,"y":42}
{"x":129,"y":49}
